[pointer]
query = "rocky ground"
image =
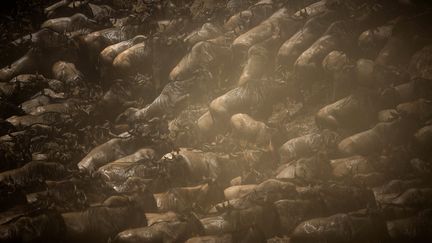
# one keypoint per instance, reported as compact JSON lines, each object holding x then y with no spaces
{"x":216,"y":121}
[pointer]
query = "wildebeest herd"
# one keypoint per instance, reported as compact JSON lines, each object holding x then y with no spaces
{"x":218,"y":121}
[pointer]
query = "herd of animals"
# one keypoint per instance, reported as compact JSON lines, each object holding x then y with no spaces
{"x":219,"y":121}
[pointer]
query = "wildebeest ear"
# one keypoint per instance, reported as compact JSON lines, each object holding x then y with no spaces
{"x":212,"y":183}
